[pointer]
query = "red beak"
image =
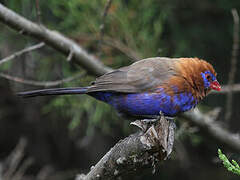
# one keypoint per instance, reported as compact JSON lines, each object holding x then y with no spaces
{"x":215,"y":85}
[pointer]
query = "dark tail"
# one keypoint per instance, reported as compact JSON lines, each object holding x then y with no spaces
{"x":54,"y":91}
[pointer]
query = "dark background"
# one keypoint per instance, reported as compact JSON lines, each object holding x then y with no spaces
{"x":67,"y":135}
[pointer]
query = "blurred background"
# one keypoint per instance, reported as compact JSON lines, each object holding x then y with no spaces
{"x":59,"y":137}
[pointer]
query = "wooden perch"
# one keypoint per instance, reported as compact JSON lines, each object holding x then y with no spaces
{"x":135,"y":153}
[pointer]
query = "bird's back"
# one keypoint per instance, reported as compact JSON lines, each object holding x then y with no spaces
{"x":142,"y":76}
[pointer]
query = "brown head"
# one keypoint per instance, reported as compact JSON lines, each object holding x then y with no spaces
{"x":199,"y":74}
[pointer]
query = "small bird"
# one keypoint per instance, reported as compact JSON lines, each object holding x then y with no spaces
{"x":149,"y":86}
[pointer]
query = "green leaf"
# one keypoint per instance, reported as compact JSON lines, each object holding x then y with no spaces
{"x":232,"y":167}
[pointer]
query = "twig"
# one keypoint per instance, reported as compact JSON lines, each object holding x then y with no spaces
{"x":15,"y":158}
{"x":53,"y":39}
{"x":70,"y":56}
{"x":40,"y":83}
{"x":114,"y":43}
{"x":213,"y":129}
{"x":38,"y":11}
{"x":233,"y":68}
{"x":134,"y":56}
{"x":104,"y":15}
{"x":44,"y":173}
{"x":23,"y":51}
{"x":18,"y":175}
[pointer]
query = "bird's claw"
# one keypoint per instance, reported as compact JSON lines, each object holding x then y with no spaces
{"x":144,"y":124}
{"x":140,"y":124}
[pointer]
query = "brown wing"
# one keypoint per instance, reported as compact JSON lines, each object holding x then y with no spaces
{"x":144,"y":75}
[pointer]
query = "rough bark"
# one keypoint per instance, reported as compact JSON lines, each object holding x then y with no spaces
{"x":135,"y":153}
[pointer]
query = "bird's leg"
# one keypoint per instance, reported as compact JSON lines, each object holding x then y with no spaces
{"x":166,"y":117}
{"x":150,"y":121}
{"x":170,"y":119}
{"x":153,"y":119}
{"x":145,"y":124}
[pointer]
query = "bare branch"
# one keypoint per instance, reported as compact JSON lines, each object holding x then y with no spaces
{"x":102,"y":26}
{"x":40,"y":83}
{"x":213,"y":129}
{"x":23,"y":51}
{"x":104,"y":15}
{"x":15,"y":158}
{"x":233,"y":68}
{"x":38,"y":11}
{"x":134,"y":56}
{"x":134,"y":153}
{"x":22,"y":169}
{"x":53,"y":39}
{"x":69,"y":58}
{"x":114,"y":43}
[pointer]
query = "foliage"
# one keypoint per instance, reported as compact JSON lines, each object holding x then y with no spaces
{"x":232,"y":167}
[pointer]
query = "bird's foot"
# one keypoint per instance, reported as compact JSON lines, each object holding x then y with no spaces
{"x":166,"y":117}
{"x":140,"y":124}
{"x":144,"y":124}
{"x":150,"y":121}
{"x":159,"y":130}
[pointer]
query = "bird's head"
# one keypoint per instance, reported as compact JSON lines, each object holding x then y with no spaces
{"x":200,"y":75}
{"x":210,"y":81}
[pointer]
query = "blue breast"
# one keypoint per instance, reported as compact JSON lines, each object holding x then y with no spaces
{"x":138,"y":104}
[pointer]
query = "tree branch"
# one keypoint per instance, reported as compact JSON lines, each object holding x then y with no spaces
{"x":38,"y":11}
{"x":233,"y":68}
{"x":53,"y":39}
{"x":134,"y":56}
{"x":40,"y":83}
{"x":114,"y":43}
{"x":213,"y":129}
{"x":21,"y":52}
{"x":135,"y":153}
{"x":104,"y":15}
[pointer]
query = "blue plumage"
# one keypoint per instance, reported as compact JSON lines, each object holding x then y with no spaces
{"x":139,"y":104}
{"x":205,"y":76}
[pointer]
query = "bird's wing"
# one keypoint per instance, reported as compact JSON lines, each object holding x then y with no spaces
{"x":144,"y":75}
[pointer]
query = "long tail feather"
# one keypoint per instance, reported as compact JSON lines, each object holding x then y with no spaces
{"x":54,"y":91}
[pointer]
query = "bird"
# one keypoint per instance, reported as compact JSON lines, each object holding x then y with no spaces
{"x":149,"y":86}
